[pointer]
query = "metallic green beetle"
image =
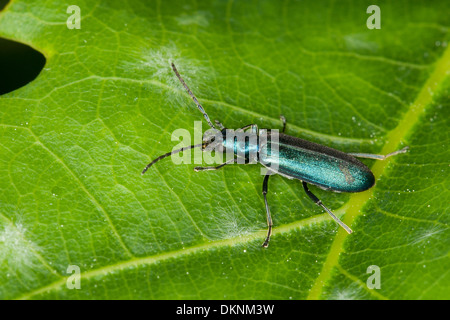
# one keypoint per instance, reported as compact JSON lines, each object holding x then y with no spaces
{"x":291,"y":157}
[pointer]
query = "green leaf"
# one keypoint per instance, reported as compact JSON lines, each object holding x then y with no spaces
{"x":74,"y":141}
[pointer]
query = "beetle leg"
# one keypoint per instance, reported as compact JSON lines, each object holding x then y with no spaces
{"x":283,"y":119}
{"x":269,"y":218}
{"x":319,"y":203}
{"x":220,"y":125}
{"x":214,"y":168}
{"x":379,"y":156}
{"x":246,"y":127}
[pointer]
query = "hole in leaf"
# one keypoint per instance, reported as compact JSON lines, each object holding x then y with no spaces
{"x":3,"y":4}
{"x":19,"y":65}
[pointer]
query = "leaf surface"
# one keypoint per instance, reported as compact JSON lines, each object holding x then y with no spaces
{"x":74,"y":141}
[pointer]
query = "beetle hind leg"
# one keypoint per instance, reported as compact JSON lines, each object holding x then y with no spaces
{"x":378,"y":156}
{"x":320,"y":204}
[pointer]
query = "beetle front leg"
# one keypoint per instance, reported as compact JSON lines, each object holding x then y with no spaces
{"x":197,"y":169}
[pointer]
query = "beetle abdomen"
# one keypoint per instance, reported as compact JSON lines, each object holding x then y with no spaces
{"x":315,"y":164}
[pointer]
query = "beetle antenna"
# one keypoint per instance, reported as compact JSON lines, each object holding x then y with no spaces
{"x":193,"y":97}
{"x":171,"y":153}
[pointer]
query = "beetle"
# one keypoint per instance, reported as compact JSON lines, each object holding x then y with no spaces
{"x":288,"y":156}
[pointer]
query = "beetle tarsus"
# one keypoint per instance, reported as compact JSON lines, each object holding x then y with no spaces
{"x":266,"y":242}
